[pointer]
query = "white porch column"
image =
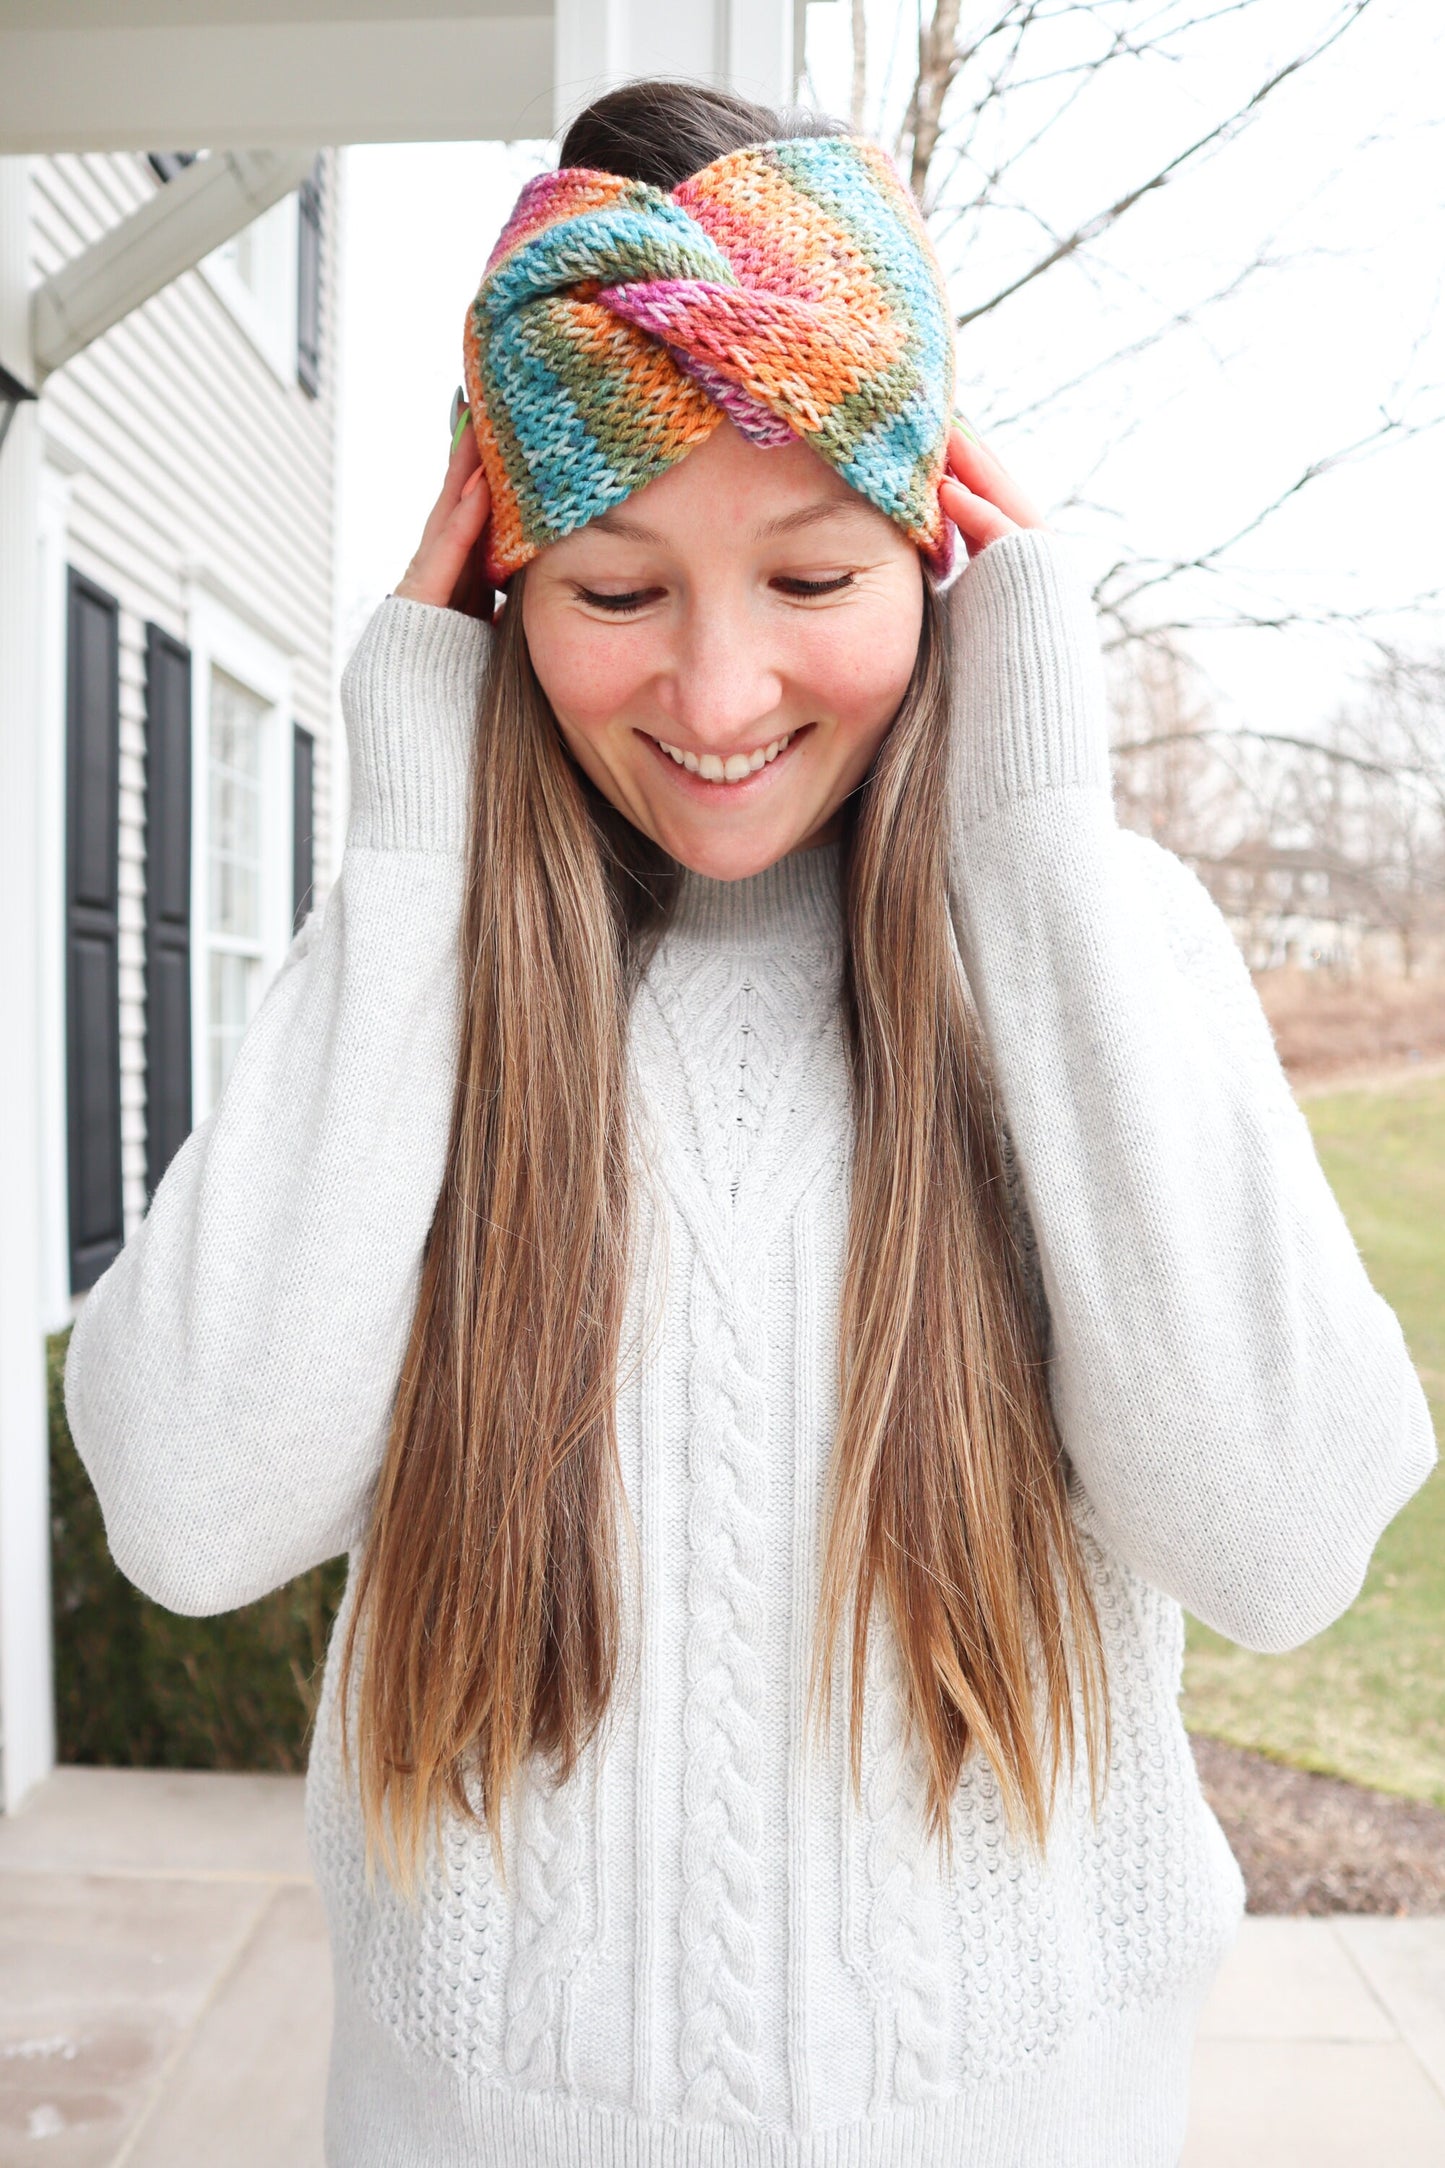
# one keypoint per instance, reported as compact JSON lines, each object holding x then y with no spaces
{"x":746,"y":45}
{"x":27,"y":1725}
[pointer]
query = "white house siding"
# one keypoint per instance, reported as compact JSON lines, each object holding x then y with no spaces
{"x":191,"y":460}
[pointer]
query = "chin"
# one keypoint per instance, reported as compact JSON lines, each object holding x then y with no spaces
{"x":731,"y":857}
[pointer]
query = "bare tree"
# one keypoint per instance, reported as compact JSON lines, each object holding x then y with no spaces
{"x":1169,"y":781}
{"x":961,"y":171}
{"x":991,"y":84}
{"x":1121,"y":587}
{"x":940,"y":60}
{"x":858,"y":89}
{"x":1332,"y":845}
{"x":1330,"y":838}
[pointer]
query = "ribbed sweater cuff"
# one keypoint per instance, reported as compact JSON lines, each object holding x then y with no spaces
{"x":409,"y":699}
{"x":1029,"y":707}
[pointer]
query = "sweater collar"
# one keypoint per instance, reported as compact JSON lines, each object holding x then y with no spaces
{"x":796,"y":903}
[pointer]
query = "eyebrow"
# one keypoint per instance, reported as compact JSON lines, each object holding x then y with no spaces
{"x":806,"y":515}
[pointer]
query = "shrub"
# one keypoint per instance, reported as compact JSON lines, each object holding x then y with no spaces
{"x":139,"y":1687}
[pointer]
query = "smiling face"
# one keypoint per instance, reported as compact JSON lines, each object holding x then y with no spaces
{"x":725,"y":651}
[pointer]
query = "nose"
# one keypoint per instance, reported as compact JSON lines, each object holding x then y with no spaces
{"x":722,"y":690}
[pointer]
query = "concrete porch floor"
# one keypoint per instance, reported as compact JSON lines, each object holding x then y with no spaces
{"x":165,"y":1999}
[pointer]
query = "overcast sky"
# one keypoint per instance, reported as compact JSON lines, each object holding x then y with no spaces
{"x":1339,"y":183}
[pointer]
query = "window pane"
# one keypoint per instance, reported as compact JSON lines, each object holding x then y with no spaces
{"x":232,"y":991}
{"x":233,"y":870}
{"x":234,"y":789}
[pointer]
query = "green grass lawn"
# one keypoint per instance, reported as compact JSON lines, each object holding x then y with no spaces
{"x":1366,"y":1700}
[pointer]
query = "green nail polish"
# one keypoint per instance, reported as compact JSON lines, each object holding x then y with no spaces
{"x":460,"y":431}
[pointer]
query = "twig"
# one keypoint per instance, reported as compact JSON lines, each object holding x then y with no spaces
{"x":1223,"y":131}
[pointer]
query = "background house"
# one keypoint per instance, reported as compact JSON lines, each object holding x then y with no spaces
{"x":187,"y":544}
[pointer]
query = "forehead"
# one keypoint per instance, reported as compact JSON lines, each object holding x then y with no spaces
{"x":730,"y":488}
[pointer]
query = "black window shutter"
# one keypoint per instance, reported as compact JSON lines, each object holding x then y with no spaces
{"x":168,"y":901}
{"x":92,"y":929}
{"x":308,"y":297}
{"x":303,"y":811}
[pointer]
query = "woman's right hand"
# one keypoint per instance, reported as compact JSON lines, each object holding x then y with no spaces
{"x":447,"y":569}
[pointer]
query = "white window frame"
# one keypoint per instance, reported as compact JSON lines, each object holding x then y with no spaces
{"x":219,"y":640}
{"x":57,"y":477}
{"x":267,"y":317}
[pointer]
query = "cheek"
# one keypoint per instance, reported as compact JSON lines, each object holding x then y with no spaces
{"x":587,"y":679}
{"x":857,"y":668}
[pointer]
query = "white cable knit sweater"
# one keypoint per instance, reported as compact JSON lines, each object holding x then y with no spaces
{"x":707,"y":1957}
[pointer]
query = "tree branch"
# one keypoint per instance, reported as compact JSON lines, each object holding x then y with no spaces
{"x":858,"y":97}
{"x":938,"y":63}
{"x":1207,"y":560}
{"x":1222,"y":132}
{"x":1389,"y":769}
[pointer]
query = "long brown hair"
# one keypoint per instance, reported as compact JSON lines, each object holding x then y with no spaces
{"x":487,"y":1620}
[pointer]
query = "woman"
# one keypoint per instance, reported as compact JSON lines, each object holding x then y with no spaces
{"x":754,"y":1184}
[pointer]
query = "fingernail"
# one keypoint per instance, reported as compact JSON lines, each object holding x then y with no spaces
{"x":461,"y":428}
{"x":472,"y":482}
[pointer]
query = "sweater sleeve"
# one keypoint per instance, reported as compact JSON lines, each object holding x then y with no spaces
{"x":230,"y":1378}
{"x":1237,"y":1404}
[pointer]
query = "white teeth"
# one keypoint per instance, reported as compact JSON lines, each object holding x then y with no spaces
{"x":714,"y":769}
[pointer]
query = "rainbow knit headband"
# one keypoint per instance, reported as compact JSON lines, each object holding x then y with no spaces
{"x":790,"y":286}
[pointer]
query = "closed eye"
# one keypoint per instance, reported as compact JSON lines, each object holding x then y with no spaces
{"x":804,"y":588}
{"x":636,"y":599}
{"x":619,"y":605}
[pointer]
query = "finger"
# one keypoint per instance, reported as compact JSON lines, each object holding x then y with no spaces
{"x":966,"y":448}
{"x":978,"y":522}
{"x":449,"y":540}
{"x":461,"y":530}
{"x":980,"y":470}
{"x":474,"y":594}
{"x":465,"y":454}
{"x":463,"y":460}
{"x":977,"y":519}
{"x":472,"y":591}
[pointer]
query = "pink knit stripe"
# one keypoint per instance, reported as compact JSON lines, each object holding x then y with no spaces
{"x":805,"y":357}
{"x":548,"y":198}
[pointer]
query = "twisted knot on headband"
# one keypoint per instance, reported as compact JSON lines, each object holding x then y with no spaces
{"x":790,"y":286}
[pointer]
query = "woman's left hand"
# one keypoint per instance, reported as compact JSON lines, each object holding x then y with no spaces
{"x":981,"y":499}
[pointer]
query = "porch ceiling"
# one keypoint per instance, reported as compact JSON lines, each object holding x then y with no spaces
{"x":161,"y":74}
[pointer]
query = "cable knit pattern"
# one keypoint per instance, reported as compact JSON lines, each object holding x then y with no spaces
{"x":706,"y":1954}
{"x":724,"y":1703}
{"x":735,"y":1031}
{"x":549,"y":1861}
{"x":898,"y":1942}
